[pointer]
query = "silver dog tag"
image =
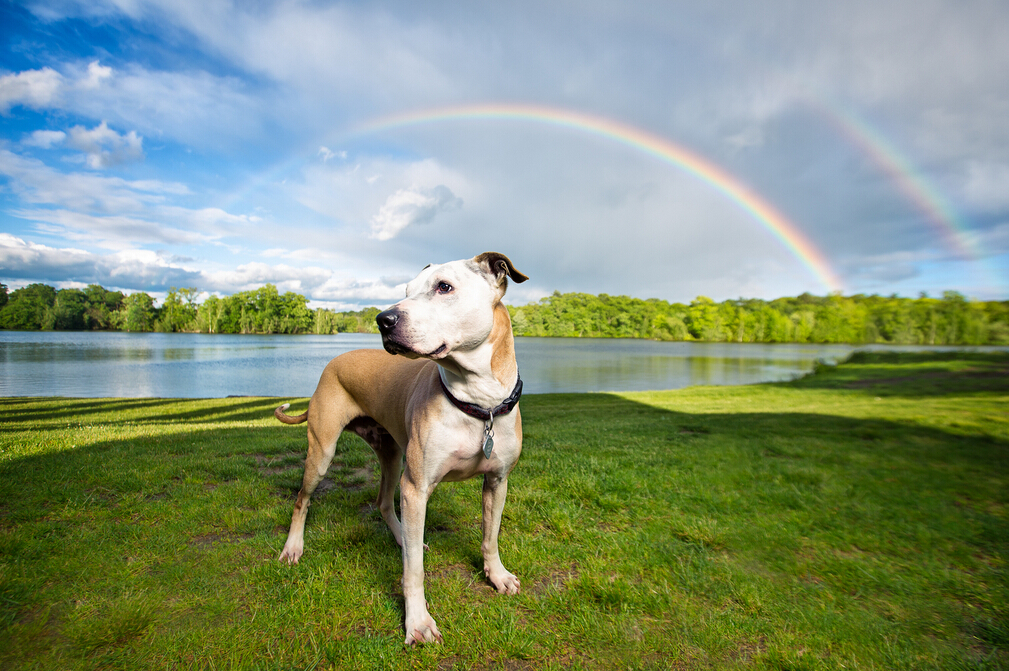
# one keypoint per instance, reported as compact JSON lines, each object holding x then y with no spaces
{"x":488,"y":436}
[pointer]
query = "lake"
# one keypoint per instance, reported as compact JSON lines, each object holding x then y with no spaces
{"x":188,"y":365}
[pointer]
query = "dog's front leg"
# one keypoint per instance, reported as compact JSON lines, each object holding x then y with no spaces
{"x":420,"y":626}
{"x":495,"y":490}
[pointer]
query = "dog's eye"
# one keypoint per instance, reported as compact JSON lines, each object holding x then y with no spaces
{"x":444,"y":288}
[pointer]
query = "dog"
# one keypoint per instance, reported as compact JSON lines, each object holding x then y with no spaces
{"x":444,"y":396}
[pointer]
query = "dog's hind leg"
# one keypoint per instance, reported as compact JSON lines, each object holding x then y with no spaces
{"x":390,"y":459}
{"x":320,"y":455}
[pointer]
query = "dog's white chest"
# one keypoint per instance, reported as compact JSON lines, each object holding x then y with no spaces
{"x":466,"y":458}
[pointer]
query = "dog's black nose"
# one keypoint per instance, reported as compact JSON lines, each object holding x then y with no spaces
{"x":387,"y":320}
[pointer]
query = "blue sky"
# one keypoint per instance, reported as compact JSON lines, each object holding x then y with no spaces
{"x":215,"y":144}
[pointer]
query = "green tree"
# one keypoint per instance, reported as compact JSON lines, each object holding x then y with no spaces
{"x":26,"y":307}
{"x":702,"y":317}
{"x":670,"y":327}
{"x":101,"y":305}
{"x":209,"y":315}
{"x":177,"y":311}
{"x":803,"y":323}
{"x":295,"y":317}
{"x":264,"y":310}
{"x":67,"y":311}
{"x":136,"y":314}
{"x":997,"y":317}
{"x":328,"y":321}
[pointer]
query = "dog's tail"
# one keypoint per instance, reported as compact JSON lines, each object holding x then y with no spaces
{"x":287,"y":419}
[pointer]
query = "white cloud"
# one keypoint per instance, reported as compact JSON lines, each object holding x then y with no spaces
{"x":114,"y":213}
{"x":39,"y":89}
{"x":325,"y":153}
{"x":361,"y":292}
{"x":212,"y":221}
{"x":36,"y":182}
{"x":305,"y":254}
{"x":380,"y":195}
{"x":133,"y":269}
{"x":407,"y":207}
{"x":108,"y":231}
{"x":97,"y":73}
{"x":44,"y":139}
{"x":105,"y":147}
{"x":17,"y":253}
{"x":326,"y":52}
{"x":141,"y":269}
{"x":32,"y":88}
{"x":250,"y":276}
{"x":192,"y":107}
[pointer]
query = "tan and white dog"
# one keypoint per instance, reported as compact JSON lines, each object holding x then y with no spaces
{"x":448,"y":404}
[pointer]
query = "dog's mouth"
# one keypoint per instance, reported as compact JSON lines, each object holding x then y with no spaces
{"x":393,"y":347}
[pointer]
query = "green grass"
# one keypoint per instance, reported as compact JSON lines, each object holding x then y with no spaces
{"x":854,"y":519}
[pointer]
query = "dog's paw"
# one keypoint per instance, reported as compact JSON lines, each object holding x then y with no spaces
{"x":291,"y":554}
{"x":423,"y":631}
{"x":503,"y":580}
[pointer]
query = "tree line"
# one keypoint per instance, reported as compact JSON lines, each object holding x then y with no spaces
{"x":858,"y":319}
{"x":263,"y":310}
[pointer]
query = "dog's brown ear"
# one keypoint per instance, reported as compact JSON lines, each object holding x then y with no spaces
{"x":499,"y":265}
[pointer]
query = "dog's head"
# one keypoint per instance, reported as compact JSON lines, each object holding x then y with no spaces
{"x":448,"y":307}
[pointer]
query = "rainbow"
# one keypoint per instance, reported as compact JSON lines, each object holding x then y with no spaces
{"x":908,"y":178}
{"x":750,"y":202}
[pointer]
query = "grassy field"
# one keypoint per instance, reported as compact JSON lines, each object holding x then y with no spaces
{"x":854,"y":519}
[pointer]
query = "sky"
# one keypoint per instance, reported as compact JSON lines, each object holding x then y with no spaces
{"x":660,"y":149}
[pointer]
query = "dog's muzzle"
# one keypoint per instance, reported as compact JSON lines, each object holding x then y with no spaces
{"x":391,"y":326}
{"x":387,"y":322}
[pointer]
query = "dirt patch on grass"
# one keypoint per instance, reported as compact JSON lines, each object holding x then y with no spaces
{"x":557,"y":580}
{"x":457,"y":663}
{"x":291,"y":463}
{"x":746,"y":651}
{"x":326,"y":485}
{"x":205,"y":541}
{"x":279,"y":470}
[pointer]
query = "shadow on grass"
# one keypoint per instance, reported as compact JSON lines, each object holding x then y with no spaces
{"x":912,"y":374}
{"x":622,"y":496}
{"x":111,"y":411}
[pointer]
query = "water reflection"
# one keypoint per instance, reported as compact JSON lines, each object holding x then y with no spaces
{"x":85,"y":364}
{"x":589,"y":364}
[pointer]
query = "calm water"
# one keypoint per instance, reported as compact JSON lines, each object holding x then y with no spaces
{"x":85,"y":364}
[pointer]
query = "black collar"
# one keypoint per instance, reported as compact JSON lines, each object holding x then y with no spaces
{"x":474,"y":410}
